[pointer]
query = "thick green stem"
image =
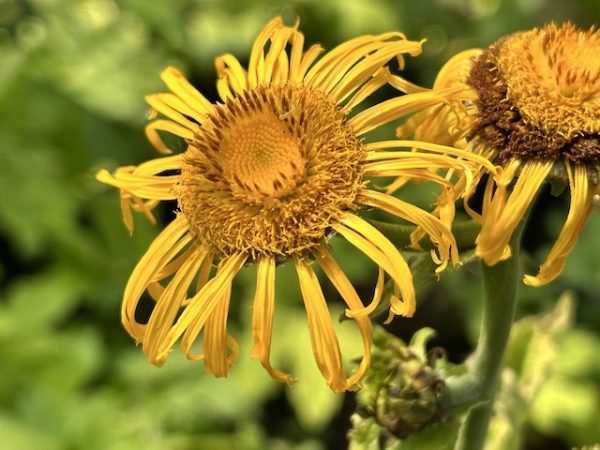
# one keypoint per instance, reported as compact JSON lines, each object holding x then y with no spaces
{"x":500,"y":288}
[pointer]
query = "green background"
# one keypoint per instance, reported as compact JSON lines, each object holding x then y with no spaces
{"x":73,"y":75}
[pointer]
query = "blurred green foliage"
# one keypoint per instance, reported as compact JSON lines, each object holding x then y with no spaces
{"x":73,"y":75}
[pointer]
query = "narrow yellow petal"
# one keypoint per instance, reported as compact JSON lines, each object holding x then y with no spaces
{"x":279,"y":41}
{"x":335,"y":64}
{"x":262,"y":317}
{"x":141,"y":186}
{"x":394,"y":109}
{"x":348,"y":293}
{"x":257,"y":53}
{"x":380,"y":78}
{"x":501,"y":215}
{"x":168,"y":305}
{"x":377,"y":295}
{"x":175,"y":109}
{"x":174,"y":265}
{"x":216,"y":339}
{"x":224,"y":91}
{"x":177,"y":83}
{"x":230,"y":69}
{"x":439,"y":234}
{"x":481,"y":160}
{"x":158,"y":165}
{"x":296,"y":53}
{"x":365,"y":69}
{"x":308,"y":59}
{"x":457,"y":69}
{"x":404,"y":85}
{"x":199,"y":308}
{"x":579,"y":211}
{"x":281,"y":70}
{"x":377,"y":247}
{"x":163,"y":250}
{"x":153,"y":128}
{"x":322,"y":335}
{"x":126,"y":214}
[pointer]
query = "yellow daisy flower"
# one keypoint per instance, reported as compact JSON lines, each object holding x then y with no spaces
{"x":269,"y":175}
{"x":530,"y":103}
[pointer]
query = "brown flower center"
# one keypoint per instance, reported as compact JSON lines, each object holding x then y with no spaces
{"x":539,"y":95}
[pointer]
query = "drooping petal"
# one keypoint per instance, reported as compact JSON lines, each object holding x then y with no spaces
{"x":169,"y":304}
{"x":503,"y":211}
{"x":579,"y":211}
{"x":141,"y":187}
{"x":378,"y":248}
{"x":322,"y":335}
{"x":216,"y":338}
{"x":169,"y":243}
{"x":193,"y":318}
{"x":377,"y":295}
{"x":348,"y":293}
{"x":439,"y":234}
{"x":262,"y":317}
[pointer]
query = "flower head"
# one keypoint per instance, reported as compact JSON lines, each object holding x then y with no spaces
{"x":269,"y":175}
{"x":530,"y":103}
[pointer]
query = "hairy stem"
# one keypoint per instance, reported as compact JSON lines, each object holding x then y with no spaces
{"x":500,"y":298}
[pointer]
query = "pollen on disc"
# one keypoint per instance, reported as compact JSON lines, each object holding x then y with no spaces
{"x":261,"y":157}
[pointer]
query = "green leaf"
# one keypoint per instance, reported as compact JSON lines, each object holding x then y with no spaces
{"x":42,"y":207}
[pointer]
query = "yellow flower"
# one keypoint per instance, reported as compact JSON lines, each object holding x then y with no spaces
{"x":268,"y":176}
{"x":530,"y":103}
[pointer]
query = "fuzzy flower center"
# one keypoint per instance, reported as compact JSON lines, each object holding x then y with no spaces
{"x":270,"y":171}
{"x":553,"y":77}
{"x":539,"y":95}
{"x":261,"y":158}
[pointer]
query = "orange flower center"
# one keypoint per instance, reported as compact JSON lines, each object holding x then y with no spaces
{"x":261,"y":157}
{"x":270,"y":171}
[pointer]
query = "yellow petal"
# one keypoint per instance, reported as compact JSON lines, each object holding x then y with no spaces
{"x":257,"y":53}
{"x":322,"y":335}
{"x":168,"y":305}
{"x":377,"y":295}
{"x":180,"y":86}
{"x":262,"y":317}
{"x":579,"y":211}
{"x":153,"y":128}
{"x":163,"y":250}
{"x":367,"y":67}
{"x":501,"y":215}
{"x":216,"y":338}
{"x":439,"y":234}
{"x":394,"y":109}
{"x":348,"y":293}
{"x":279,"y":40}
{"x":200,"y":307}
{"x":175,"y":109}
{"x":230,"y":69}
{"x":376,"y":246}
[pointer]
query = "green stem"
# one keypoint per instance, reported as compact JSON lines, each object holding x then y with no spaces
{"x":464,"y":232}
{"x":500,"y":288}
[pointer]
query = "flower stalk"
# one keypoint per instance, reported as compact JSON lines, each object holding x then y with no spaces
{"x":500,"y":298}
